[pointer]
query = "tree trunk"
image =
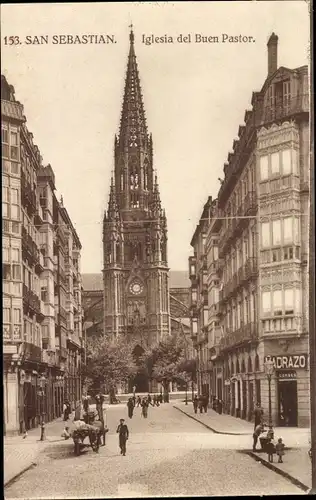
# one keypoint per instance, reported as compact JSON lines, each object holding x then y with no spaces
{"x":165,"y":384}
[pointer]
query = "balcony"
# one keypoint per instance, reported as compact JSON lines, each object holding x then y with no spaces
{"x":28,"y":195}
{"x":250,"y":204}
{"x":219,"y":264}
{"x":291,"y":324}
{"x":29,"y":247}
{"x":244,"y":334}
{"x":226,"y":238}
{"x":31,"y":352}
{"x":39,"y":216}
{"x":251,"y":268}
{"x":39,"y":263}
{"x":285,"y":108}
{"x":31,"y":301}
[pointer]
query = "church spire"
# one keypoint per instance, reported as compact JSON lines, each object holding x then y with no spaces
{"x":133,"y":128}
{"x":113,"y":212}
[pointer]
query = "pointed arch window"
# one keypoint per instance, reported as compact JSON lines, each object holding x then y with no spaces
{"x":118,"y":252}
{"x":122,"y":181}
{"x":146,"y":175}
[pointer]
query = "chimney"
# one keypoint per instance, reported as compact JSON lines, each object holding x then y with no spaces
{"x":272,"y":54}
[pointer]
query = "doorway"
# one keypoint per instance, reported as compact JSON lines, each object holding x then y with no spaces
{"x":140,"y":380}
{"x":287,"y":390}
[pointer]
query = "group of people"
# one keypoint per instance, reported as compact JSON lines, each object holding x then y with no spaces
{"x":143,"y":403}
{"x":270,"y":446}
{"x":200,"y":403}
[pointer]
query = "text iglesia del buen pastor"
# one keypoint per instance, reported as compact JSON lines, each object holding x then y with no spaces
{"x":196,"y":38}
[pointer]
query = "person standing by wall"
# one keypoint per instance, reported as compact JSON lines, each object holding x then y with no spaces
{"x":258,"y":414}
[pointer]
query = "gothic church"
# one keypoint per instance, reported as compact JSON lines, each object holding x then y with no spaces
{"x":135,"y":273}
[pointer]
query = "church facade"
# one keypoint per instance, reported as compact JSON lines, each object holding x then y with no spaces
{"x":135,"y":271}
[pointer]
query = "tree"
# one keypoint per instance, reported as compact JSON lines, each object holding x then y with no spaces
{"x":161,"y":361}
{"x":108,"y":364}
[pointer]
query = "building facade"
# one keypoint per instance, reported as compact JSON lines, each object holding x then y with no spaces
{"x":135,"y":273}
{"x":257,"y":252}
{"x":34,"y":370}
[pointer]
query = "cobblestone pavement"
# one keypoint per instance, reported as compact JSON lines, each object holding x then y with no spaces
{"x":168,"y":454}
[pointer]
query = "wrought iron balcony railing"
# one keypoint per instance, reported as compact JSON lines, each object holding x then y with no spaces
{"x":246,"y":333}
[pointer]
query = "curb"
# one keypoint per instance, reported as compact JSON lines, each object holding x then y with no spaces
{"x":281,"y":472}
{"x":18,"y":475}
{"x":211,"y":428}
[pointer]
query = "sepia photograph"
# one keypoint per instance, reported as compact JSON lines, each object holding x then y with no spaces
{"x":158,"y":253}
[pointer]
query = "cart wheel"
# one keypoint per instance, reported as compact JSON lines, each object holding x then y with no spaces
{"x":77,"y":448}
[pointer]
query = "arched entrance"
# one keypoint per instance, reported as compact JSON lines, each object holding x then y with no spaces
{"x":140,"y":380}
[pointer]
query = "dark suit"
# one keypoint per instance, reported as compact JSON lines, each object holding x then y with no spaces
{"x":123,"y":433}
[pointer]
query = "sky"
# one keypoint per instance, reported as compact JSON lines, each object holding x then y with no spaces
{"x":195,"y":97}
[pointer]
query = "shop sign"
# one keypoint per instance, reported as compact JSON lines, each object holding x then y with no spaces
{"x":287,"y":375}
{"x":290,"y":361}
{"x":10,"y":349}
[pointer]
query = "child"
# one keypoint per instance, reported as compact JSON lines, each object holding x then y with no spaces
{"x":280,"y":450}
{"x":271,"y":449}
{"x":65,"y":434}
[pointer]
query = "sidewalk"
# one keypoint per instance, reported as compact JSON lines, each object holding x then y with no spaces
{"x":297,"y":464}
{"x":21,"y":454}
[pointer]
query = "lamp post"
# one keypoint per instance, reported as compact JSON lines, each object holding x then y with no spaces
{"x":42,"y":383}
{"x":269,"y":367}
{"x":186,"y":392}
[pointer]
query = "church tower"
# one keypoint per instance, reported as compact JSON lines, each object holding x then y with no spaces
{"x":135,"y":274}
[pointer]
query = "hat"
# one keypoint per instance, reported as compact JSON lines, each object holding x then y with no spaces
{"x":122,"y":419}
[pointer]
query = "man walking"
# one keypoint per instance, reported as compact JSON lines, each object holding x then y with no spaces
{"x":123,"y":433}
{"x":195,"y":403}
{"x":130,"y":407}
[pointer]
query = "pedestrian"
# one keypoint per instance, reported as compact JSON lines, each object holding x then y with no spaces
{"x":201,"y":404}
{"x":279,"y":447}
{"x":195,"y":403}
{"x":258,"y":430}
{"x":130,"y":407}
{"x":219,"y":406}
{"x":145,"y":405}
{"x":157,"y":400}
{"x":270,"y":449}
{"x":85,"y":401}
{"x":205,"y":403}
{"x":160,"y":398}
{"x":123,"y":433}
{"x":258,"y":414}
{"x":66,"y":410}
{"x":149,"y":399}
{"x":65,"y":434}
{"x":139,"y":401}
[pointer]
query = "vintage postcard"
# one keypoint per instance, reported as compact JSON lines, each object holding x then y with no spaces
{"x":158,"y":301}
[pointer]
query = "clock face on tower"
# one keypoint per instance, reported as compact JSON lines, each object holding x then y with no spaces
{"x":136,"y":288}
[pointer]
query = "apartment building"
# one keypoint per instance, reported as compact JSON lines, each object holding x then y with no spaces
{"x":35,"y":376}
{"x":199,"y":306}
{"x":257,"y":252}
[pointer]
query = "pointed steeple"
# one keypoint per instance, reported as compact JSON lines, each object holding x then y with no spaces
{"x":113,"y":212}
{"x":133,"y":128}
{"x":156,"y":204}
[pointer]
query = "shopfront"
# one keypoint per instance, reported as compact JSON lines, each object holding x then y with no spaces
{"x":292,"y":379}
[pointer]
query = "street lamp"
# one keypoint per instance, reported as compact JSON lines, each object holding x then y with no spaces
{"x":186,"y":392}
{"x":41,"y":393}
{"x":269,"y":367}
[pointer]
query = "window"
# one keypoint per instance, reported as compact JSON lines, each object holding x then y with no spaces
{"x":289,"y":301}
{"x":277,"y":302}
{"x":14,"y":168}
{"x":44,"y":296}
{"x":17,"y":316}
{"x":6,"y":271}
{"x":5,"y":141}
{"x":5,"y":193}
{"x":288,"y":230}
{"x":286,"y":161}
{"x":16,"y":272}
{"x":5,"y":209}
{"x":276,"y":255}
{"x":14,"y":196}
{"x":265,"y":234}
{"x":264,"y":168}
{"x":5,"y":254}
{"x":266,"y":302}
{"x":5,"y":226}
{"x":14,"y":148}
{"x":15,"y":228}
{"x":15,"y":255}
{"x":14,"y":212}
{"x":294,"y":161}
{"x":276,"y":232}
{"x":6,"y":315}
{"x":275,"y":163}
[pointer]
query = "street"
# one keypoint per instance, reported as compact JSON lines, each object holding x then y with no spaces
{"x":168,"y":454}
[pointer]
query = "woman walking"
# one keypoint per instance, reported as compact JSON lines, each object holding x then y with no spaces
{"x":145,"y":405}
